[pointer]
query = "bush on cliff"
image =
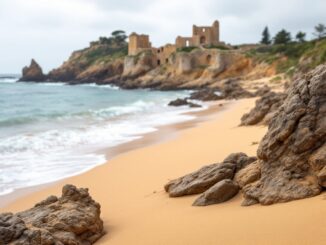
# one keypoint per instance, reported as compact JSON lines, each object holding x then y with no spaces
{"x":303,"y":55}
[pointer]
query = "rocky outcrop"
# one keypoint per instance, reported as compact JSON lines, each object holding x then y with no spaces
{"x":74,"y":218}
{"x":138,"y":65}
{"x":205,"y":95}
{"x":198,"y":69}
{"x":264,"y":109}
{"x":183,"y":102}
{"x":231,"y":89}
{"x":218,"y":193}
{"x":33,"y":73}
{"x":206,"y":177}
{"x":293,"y":152}
{"x":247,"y":175}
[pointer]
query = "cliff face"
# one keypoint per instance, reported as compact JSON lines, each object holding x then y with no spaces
{"x":196,"y":69}
{"x":94,"y":64}
{"x":106,"y":61}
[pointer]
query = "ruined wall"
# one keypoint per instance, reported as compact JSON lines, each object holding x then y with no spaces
{"x":163,"y":53}
{"x":201,"y":35}
{"x":138,"y":43}
{"x":184,"y":42}
{"x":206,"y":35}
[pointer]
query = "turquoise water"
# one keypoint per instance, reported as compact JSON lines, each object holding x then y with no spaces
{"x":52,"y":131}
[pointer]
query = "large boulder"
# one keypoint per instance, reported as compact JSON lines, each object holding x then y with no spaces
{"x":293,"y":152}
{"x":218,"y":193}
{"x":264,"y":109}
{"x":231,"y":89}
{"x":205,"y":95}
{"x":247,"y":175}
{"x":182,"y":102}
{"x":33,"y":73}
{"x":204,"y":178}
{"x":74,"y":218}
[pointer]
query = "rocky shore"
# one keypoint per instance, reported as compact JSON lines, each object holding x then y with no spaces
{"x":291,"y":156}
{"x":74,"y":218}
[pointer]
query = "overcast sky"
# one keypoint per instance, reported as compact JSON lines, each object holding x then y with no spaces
{"x":49,"y":30}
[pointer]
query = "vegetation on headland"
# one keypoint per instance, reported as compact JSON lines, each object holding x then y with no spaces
{"x":289,"y":54}
{"x":104,"y":60}
{"x":106,"y":49}
{"x":187,"y":49}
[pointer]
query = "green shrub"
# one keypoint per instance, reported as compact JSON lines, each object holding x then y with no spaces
{"x":222,"y":47}
{"x":186,"y":49}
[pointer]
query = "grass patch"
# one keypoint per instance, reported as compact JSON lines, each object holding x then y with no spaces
{"x":186,"y":49}
{"x":291,"y":55}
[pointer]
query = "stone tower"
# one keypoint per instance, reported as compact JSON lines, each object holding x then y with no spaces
{"x":138,"y":43}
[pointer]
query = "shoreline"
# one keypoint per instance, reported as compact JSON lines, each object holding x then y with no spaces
{"x":146,"y":139}
{"x":136,"y":210}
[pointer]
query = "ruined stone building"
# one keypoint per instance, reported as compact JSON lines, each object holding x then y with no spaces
{"x":201,"y":36}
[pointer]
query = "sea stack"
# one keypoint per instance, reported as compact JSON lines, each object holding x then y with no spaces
{"x":33,"y":73}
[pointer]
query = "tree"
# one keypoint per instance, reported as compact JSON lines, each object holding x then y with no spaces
{"x":300,"y":36}
{"x":266,"y":39}
{"x":282,"y":37}
{"x":320,"y":31}
{"x":119,"y":37}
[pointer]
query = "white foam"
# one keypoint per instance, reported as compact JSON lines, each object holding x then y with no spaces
{"x":30,"y":159}
{"x":107,"y":86}
{"x":8,"y":80}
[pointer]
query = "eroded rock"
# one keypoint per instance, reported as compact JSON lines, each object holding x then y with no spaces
{"x":264,"y":109}
{"x":233,"y":90}
{"x":205,"y":95}
{"x":33,"y":73}
{"x":291,"y":153}
{"x":247,"y":175}
{"x":218,"y":193}
{"x":204,"y":178}
{"x":183,"y":102}
{"x":74,"y":218}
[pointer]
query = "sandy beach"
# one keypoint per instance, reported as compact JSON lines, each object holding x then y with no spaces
{"x":136,"y":210}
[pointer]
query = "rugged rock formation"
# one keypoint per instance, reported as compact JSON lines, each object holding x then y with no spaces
{"x":218,"y":193}
{"x":200,"y":68}
{"x":78,"y":69}
{"x":264,"y":109}
{"x":293,"y":152}
{"x":201,"y":180}
{"x":247,"y":175}
{"x":205,"y":95}
{"x":33,"y":73}
{"x":74,"y":218}
{"x":231,"y":89}
{"x":183,"y":102}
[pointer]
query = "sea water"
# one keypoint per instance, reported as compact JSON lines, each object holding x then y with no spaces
{"x":49,"y":131}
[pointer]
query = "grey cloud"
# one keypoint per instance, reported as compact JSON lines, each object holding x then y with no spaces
{"x":50,"y":30}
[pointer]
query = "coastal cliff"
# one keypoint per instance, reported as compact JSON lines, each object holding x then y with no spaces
{"x":106,"y":62}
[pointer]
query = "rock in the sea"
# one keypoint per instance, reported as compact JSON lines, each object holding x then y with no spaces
{"x":204,"y":178}
{"x":205,"y":95}
{"x":264,"y":109}
{"x":33,"y":73}
{"x":183,"y":102}
{"x":74,"y":218}
{"x":292,"y":153}
{"x":218,"y":193}
{"x":247,"y":175}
